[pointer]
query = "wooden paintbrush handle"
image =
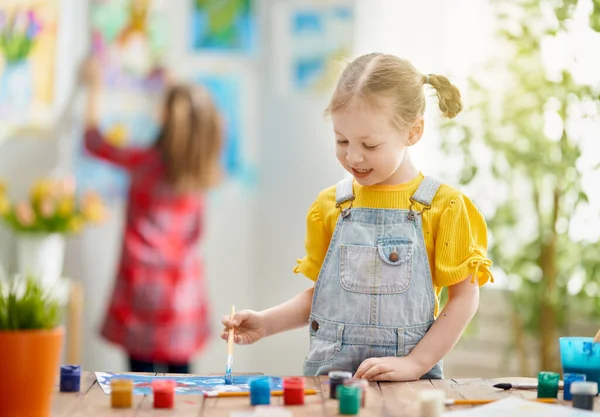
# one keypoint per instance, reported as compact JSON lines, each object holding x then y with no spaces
{"x":230,"y":339}
{"x":597,"y":337}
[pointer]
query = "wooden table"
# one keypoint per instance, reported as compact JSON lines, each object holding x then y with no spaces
{"x":383,"y":399}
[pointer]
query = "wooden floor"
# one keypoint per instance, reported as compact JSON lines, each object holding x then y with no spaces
{"x":382,"y":399}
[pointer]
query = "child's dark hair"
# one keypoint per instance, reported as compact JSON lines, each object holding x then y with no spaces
{"x":191,"y":139}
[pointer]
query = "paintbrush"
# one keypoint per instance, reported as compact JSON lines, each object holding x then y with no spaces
{"x":597,"y":337}
{"x":246,"y":393}
{"x":228,"y":378}
{"x":480,"y":402}
{"x":507,"y":385}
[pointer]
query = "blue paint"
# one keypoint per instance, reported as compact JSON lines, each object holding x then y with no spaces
{"x":568,"y":380}
{"x":260,"y":391}
{"x":70,"y":378}
{"x":228,"y":379}
{"x":579,"y":355}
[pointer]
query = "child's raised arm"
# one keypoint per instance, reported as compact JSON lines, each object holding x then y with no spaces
{"x":94,"y":142}
{"x":251,"y":326}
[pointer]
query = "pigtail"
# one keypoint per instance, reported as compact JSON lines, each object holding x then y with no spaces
{"x":448,"y":95}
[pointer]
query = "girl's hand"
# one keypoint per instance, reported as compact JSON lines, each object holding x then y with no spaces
{"x":249,"y":327}
{"x":90,"y":72}
{"x":389,"y":369}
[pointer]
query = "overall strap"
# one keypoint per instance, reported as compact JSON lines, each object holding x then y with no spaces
{"x":426,"y":191}
{"x":343,"y":193}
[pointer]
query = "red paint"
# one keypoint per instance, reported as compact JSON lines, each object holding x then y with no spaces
{"x":293,"y":391}
{"x":164,"y":393}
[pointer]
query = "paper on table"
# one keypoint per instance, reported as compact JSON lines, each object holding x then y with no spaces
{"x":518,"y":407}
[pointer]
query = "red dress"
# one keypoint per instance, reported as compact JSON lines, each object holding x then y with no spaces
{"x":159,"y":306}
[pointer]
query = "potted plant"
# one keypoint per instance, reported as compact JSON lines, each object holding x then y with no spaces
{"x":43,"y":220}
{"x":31,"y":339}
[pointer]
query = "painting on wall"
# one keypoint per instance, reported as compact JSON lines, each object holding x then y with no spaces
{"x":130,"y":40}
{"x":28,"y":48}
{"x":311,"y":42}
{"x":223,"y":26}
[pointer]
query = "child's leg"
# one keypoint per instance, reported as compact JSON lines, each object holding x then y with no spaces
{"x":136,"y":365}
{"x":178,"y":368}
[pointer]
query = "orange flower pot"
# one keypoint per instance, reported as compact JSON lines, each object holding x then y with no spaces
{"x":29,"y":364}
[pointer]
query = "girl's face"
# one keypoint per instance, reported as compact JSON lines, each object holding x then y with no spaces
{"x":369,"y":145}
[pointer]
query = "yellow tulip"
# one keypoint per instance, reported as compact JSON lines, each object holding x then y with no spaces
{"x":76,"y":224}
{"x":41,"y":189}
{"x":66,"y":205}
{"x":4,"y":205}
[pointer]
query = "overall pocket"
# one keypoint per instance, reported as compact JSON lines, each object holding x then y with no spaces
{"x":321,"y":351}
{"x":382,"y":269}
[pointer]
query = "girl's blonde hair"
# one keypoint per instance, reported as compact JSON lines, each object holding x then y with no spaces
{"x":378,"y":76}
{"x":191,"y":140}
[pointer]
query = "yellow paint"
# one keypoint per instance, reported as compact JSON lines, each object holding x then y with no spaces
{"x":121,"y":393}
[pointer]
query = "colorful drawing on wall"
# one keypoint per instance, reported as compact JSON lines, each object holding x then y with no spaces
{"x":185,"y":384}
{"x":226,"y":92}
{"x":223,"y":26}
{"x":28,"y":35}
{"x":129,"y":38}
{"x":312,"y":42}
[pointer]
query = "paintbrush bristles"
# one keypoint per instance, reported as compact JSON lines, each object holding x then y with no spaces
{"x":597,"y":337}
{"x":230,"y":339}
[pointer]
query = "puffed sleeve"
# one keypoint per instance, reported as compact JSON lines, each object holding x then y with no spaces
{"x":316,"y":244}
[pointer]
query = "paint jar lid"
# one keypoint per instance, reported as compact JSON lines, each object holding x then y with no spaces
{"x":348,"y":391}
{"x":340,"y":375}
{"x":261,"y":383}
{"x":574,"y":377}
{"x":70,"y":369}
{"x":121,"y":384}
{"x":163,"y":385}
{"x":294,"y":382}
{"x":428,"y":395}
{"x":584,"y":388}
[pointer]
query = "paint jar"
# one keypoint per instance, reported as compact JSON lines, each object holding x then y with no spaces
{"x":121,"y":393}
{"x":580,"y":355}
{"x":432,"y":402}
{"x":70,"y":378}
{"x":583,"y":393}
{"x":349,"y":396}
{"x":363,"y":384}
{"x":337,"y":378}
{"x":260,"y":391}
{"x":568,"y":380}
{"x":548,"y":384}
{"x":293,"y":391}
{"x":164,"y":393}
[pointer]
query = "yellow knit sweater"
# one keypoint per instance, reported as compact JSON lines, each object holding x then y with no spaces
{"x":455,"y":231}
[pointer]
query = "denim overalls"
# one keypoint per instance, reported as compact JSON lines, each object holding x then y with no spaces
{"x":374,"y":295}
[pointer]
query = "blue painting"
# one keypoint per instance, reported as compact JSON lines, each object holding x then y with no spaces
{"x":207,"y":385}
{"x":315,"y":41}
{"x":226,"y":93}
{"x":223,"y":26}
